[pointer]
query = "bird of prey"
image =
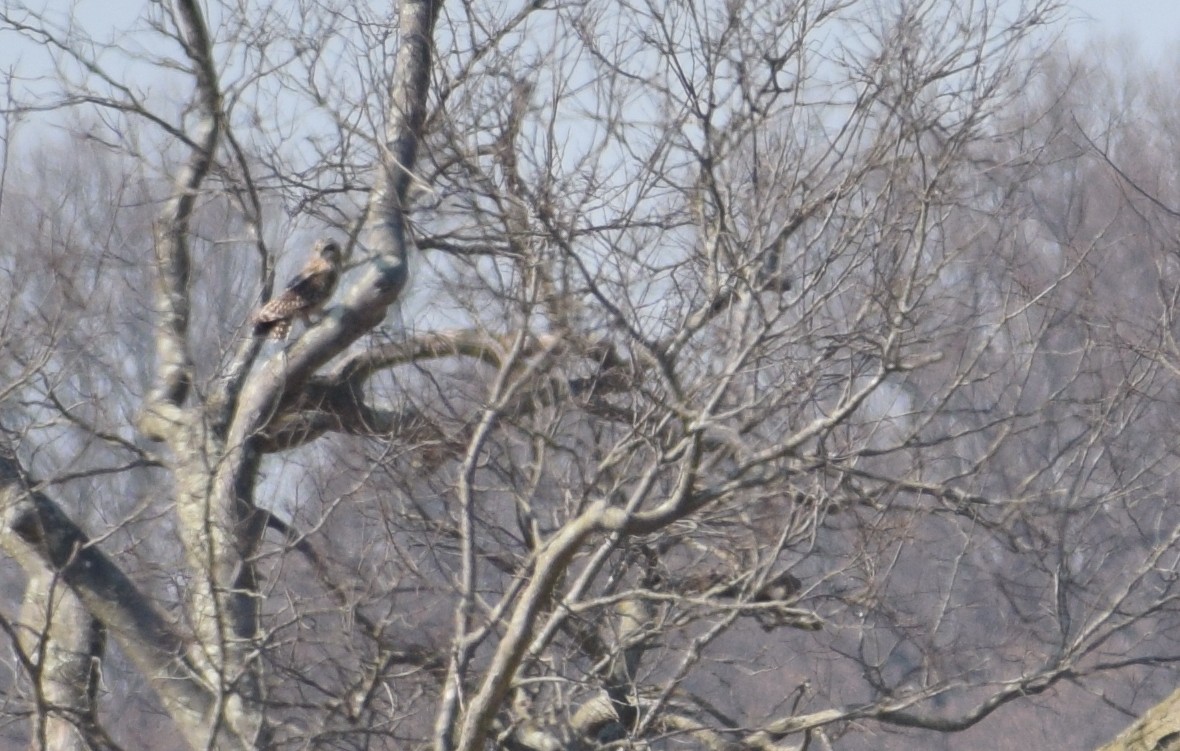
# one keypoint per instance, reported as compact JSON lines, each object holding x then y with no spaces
{"x":305,"y":294}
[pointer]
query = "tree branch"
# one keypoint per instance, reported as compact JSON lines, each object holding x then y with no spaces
{"x":173,"y":366}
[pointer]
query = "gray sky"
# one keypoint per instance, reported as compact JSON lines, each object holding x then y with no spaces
{"x":1153,"y":23}
{"x":1148,"y":28}
{"x":1152,"y":26}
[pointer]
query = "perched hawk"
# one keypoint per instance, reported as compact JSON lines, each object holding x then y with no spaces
{"x":305,"y":294}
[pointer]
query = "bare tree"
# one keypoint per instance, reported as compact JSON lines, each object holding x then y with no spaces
{"x":739,"y":377}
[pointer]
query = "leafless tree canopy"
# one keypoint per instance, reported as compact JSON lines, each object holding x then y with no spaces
{"x":734,"y":376}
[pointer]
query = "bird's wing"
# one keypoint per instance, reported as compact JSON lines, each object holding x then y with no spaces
{"x":310,"y":286}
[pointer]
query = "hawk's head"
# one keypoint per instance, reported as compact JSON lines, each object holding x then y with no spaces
{"x":329,"y":250}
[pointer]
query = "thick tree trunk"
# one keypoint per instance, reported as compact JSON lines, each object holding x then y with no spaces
{"x":56,"y":555}
{"x":1158,"y":729}
{"x":63,"y":645}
